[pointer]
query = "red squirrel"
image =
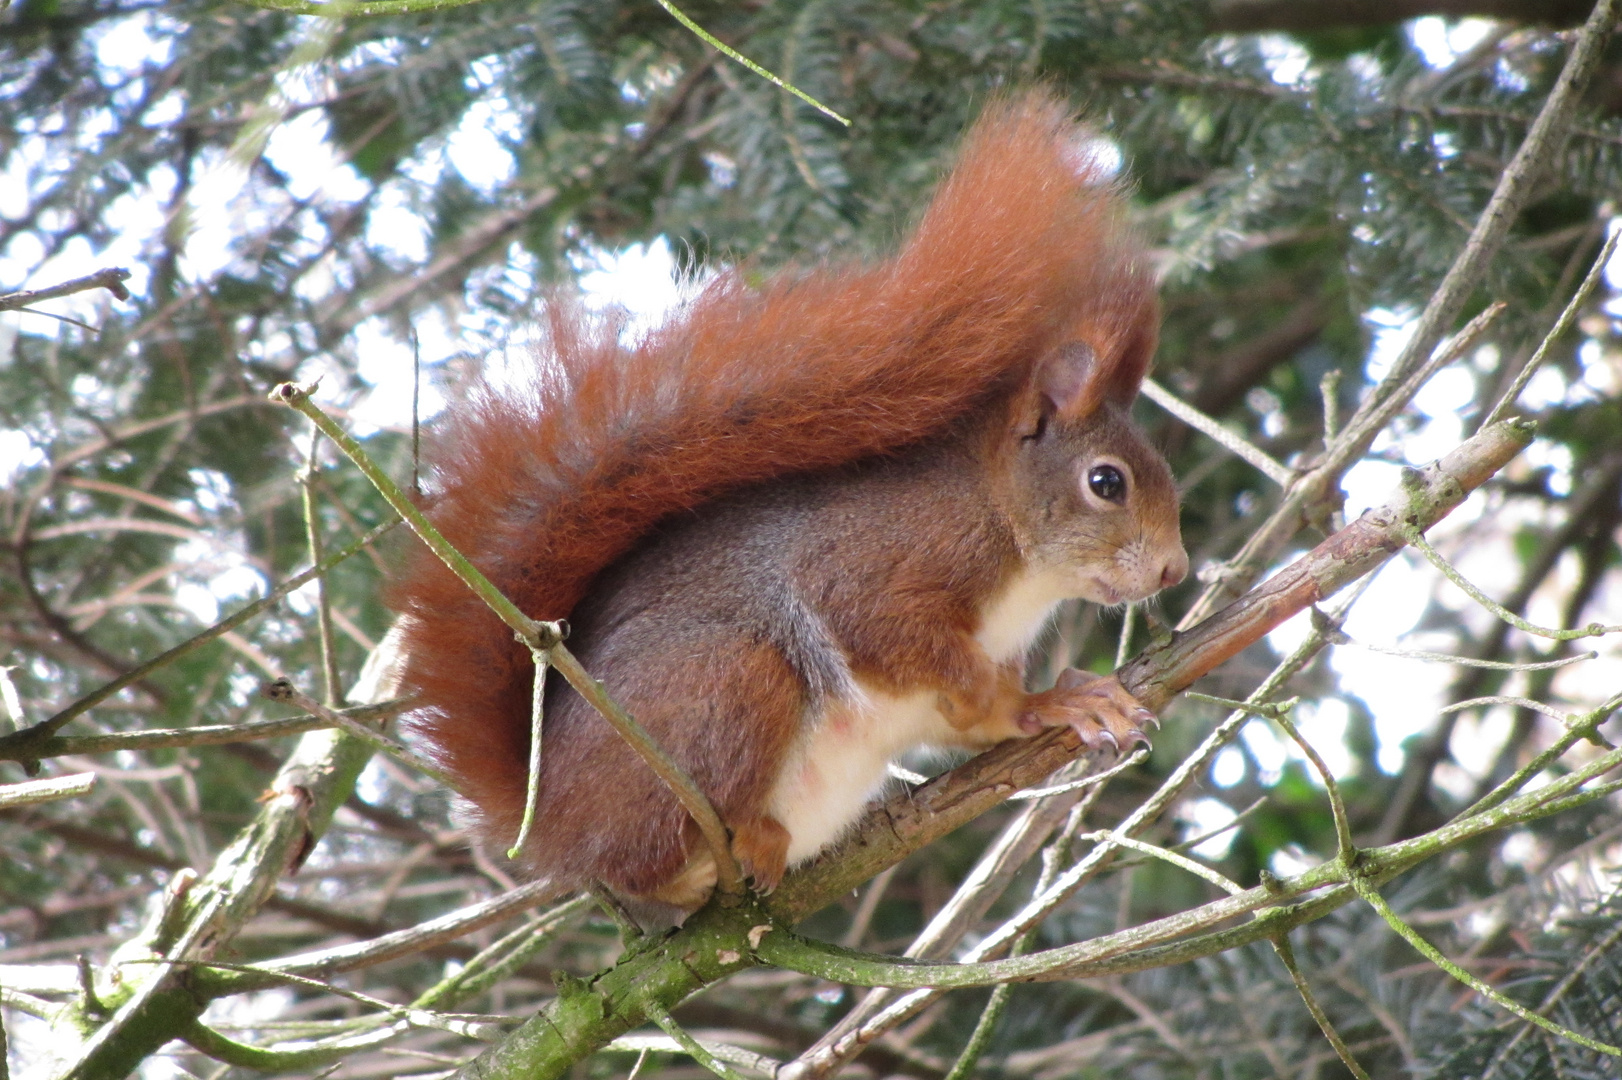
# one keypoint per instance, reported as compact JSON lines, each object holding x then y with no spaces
{"x":804,"y":527}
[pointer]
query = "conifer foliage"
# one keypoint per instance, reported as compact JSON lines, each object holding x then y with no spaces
{"x":383,"y":195}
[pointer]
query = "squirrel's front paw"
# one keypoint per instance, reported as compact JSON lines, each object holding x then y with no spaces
{"x":1097,"y":706}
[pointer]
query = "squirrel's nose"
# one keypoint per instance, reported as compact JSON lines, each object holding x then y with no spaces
{"x":1175,"y":570}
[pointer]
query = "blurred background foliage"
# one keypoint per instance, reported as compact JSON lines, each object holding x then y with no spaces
{"x":301,"y":198}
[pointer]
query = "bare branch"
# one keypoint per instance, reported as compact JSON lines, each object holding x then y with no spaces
{"x":112,"y":279}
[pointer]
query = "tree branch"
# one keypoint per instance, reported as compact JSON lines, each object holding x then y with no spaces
{"x":112,"y":279}
{"x":1314,"y":489}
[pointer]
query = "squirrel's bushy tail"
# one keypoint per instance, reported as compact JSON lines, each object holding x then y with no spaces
{"x":544,"y":485}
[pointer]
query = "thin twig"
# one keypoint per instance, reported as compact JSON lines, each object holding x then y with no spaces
{"x":1580,"y":728}
{"x":532,"y":788}
{"x":69,"y":319}
{"x":1233,"y":442}
{"x":716,"y":43}
{"x":1337,"y":806}
{"x":1558,"y":330}
{"x":642,"y":1045}
{"x":207,"y":734}
{"x":1416,"y":537}
{"x":1182,"y":862}
{"x":401,"y":943}
{"x":332,"y":9}
{"x":1505,"y":699}
{"x":692,"y":1046}
{"x":1238,"y":819}
{"x":531,"y":631}
{"x":1368,"y":892}
{"x":1329,"y":389}
{"x":863,"y":917}
{"x":18,"y":745}
{"x":285,"y":691}
{"x":331,"y":695}
{"x":1470,"y":661}
{"x":980,"y":1037}
{"x":1137,"y":757}
{"x":489,"y":966}
{"x":1281,"y":945}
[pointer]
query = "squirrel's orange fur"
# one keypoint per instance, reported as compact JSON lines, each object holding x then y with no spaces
{"x":546,"y":485}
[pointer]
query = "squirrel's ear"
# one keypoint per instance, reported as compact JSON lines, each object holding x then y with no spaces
{"x":1066,"y":379}
{"x":1112,"y":340}
{"x":1072,"y":382}
{"x":1126,"y":375}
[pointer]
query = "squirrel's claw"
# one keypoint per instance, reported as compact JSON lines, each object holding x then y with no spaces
{"x":1096,"y":706}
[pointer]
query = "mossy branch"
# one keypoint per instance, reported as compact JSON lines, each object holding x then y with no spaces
{"x":30,"y":792}
{"x":292,"y":816}
{"x":1415,"y":536}
{"x":1368,"y":892}
{"x":1133,"y":949}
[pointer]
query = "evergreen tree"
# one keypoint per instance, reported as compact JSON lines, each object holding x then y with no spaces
{"x":354,"y":198}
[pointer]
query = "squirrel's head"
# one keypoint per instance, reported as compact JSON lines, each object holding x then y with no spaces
{"x":1089,"y":499}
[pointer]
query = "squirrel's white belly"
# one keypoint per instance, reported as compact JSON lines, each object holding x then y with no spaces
{"x":840,"y":763}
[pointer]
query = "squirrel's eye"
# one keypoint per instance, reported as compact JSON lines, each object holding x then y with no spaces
{"x":1107,"y":483}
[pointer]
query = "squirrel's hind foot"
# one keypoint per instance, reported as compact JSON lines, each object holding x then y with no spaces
{"x":1096,"y":706}
{"x":761,"y":848}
